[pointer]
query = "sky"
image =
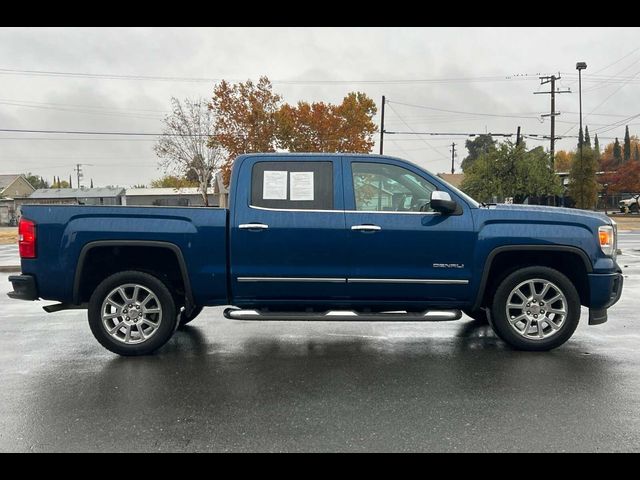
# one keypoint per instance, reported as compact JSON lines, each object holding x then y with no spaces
{"x":436,"y":80}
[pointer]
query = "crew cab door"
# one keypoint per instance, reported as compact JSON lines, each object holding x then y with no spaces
{"x":287,"y":234}
{"x":398,"y":253}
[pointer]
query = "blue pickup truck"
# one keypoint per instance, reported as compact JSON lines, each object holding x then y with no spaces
{"x":322,"y":237}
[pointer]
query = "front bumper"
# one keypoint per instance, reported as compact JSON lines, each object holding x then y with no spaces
{"x":24,"y":287}
{"x":605,"y":290}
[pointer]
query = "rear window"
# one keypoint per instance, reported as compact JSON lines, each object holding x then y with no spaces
{"x":297,"y":185}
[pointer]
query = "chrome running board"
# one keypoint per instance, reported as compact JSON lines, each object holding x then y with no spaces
{"x":344,"y":316}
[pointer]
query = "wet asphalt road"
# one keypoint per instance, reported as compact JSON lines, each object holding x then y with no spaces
{"x":223,"y":385}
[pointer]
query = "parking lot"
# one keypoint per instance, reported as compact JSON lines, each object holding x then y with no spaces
{"x":224,"y":385}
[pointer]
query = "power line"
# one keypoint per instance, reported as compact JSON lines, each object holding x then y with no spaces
{"x":50,"y":73}
{"x":80,"y":132}
{"x":423,"y":140}
{"x":463,"y":112}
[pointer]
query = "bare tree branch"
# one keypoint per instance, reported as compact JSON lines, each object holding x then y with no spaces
{"x":185,"y":145}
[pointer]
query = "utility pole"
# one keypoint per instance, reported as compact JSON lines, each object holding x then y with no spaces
{"x":382,"y":127}
{"x":518,"y":137}
{"x":552,"y":80}
{"x":78,"y":170}
{"x":453,"y":155}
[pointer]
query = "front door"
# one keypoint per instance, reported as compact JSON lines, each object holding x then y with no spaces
{"x":399,"y":249}
{"x":288,"y":238}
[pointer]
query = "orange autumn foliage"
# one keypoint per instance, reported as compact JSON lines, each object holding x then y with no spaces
{"x":251,"y":118}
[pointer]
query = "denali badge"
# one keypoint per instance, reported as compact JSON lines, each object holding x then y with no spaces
{"x":448,"y":265}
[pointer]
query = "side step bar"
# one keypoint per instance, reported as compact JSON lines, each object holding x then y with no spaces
{"x":344,"y":316}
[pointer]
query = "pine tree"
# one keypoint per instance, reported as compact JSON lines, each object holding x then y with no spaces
{"x":70,"y":184}
{"x":596,"y":146}
{"x":580,"y":138}
{"x":617,"y":152}
{"x":587,"y":139}
{"x":627,"y":145}
{"x":92,"y":183}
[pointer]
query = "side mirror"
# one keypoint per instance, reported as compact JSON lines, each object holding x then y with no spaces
{"x":441,"y":202}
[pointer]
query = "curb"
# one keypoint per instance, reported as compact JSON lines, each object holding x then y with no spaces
{"x":10,"y":268}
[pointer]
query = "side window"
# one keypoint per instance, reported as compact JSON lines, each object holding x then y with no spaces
{"x":299,"y":185}
{"x":381,"y":187}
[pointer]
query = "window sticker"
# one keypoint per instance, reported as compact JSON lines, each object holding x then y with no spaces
{"x":274,"y":185}
{"x":301,"y":187}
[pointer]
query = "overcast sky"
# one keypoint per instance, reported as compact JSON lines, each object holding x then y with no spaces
{"x":489,"y":74}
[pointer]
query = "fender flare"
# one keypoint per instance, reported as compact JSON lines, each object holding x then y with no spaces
{"x":133,"y":243}
{"x":510,"y":248}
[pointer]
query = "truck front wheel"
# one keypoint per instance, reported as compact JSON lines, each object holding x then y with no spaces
{"x":132,"y":313}
{"x":535,"y":308}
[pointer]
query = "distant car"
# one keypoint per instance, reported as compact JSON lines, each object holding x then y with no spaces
{"x":630,"y":204}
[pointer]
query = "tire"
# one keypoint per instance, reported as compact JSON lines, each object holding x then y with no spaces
{"x":142,"y":329}
{"x":480,"y":316}
{"x":184,"y":319}
{"x":534,"y":328}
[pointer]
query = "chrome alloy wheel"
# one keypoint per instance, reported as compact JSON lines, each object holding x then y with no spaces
{"x":536,"y":309}
{"x":131,"y":313}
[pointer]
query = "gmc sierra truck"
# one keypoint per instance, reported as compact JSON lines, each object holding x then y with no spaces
{"x":322,"y":237}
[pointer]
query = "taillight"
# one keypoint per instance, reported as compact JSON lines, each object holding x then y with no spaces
{"x":27,"y":238}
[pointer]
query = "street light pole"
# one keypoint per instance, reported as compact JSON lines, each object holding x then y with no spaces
{"x":581,"y":66}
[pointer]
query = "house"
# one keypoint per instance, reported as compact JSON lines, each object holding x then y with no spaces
{"x":12,"y":189}
{"x":169,"y":197}
{"x":15,"y":186}
{"x":454,"y":179}
{"x":77,"y":196}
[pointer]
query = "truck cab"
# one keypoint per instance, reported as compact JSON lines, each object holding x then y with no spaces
{"x":324,"y":237}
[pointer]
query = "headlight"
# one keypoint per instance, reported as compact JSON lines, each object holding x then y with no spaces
{"x":607,"y":238}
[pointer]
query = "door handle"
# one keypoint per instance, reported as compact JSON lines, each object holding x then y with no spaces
{"x":366,"y":228}
{"x":253,"y":226}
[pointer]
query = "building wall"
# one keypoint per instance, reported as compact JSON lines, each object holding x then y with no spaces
{"x":4,"y":215}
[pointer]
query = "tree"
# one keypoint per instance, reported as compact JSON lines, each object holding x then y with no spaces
{"x":245,"y":119}
{"x":91,"y":183}
{"x":482,"y":144}
{"x":185,"y":143}
{"x":587,"y":139}
{"x":172,"y":181}
{"x":617,"y":153}
{"x":511,"y":171}
{"x":321,"y":127}
{"x":250,"y":117}
{"x":636,"y":154}
{"x":627,"y":144}
{"x":625,"y":179}
{"x":583,"y":187}
{"x":60,"y":184}
{"x":563,"y":161}
{"x":596,"y":147}
{"x":580,"y":138}
{"x":36,"y":181}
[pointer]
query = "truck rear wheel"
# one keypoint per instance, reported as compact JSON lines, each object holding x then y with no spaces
{"x":132,"y":313}
{"x":535,"y":308}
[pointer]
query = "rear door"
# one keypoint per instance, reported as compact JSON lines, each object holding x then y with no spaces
{"x":288,"y":238}
{"x":399,"y":249}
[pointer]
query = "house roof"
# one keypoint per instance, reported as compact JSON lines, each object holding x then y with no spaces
{"x":163,"y":192}
{"x":6,"y":180}
{"x":454,"y":179}
{"x":77,"y":192}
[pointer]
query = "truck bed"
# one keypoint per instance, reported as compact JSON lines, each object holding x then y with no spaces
{"x":64,"y":231}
